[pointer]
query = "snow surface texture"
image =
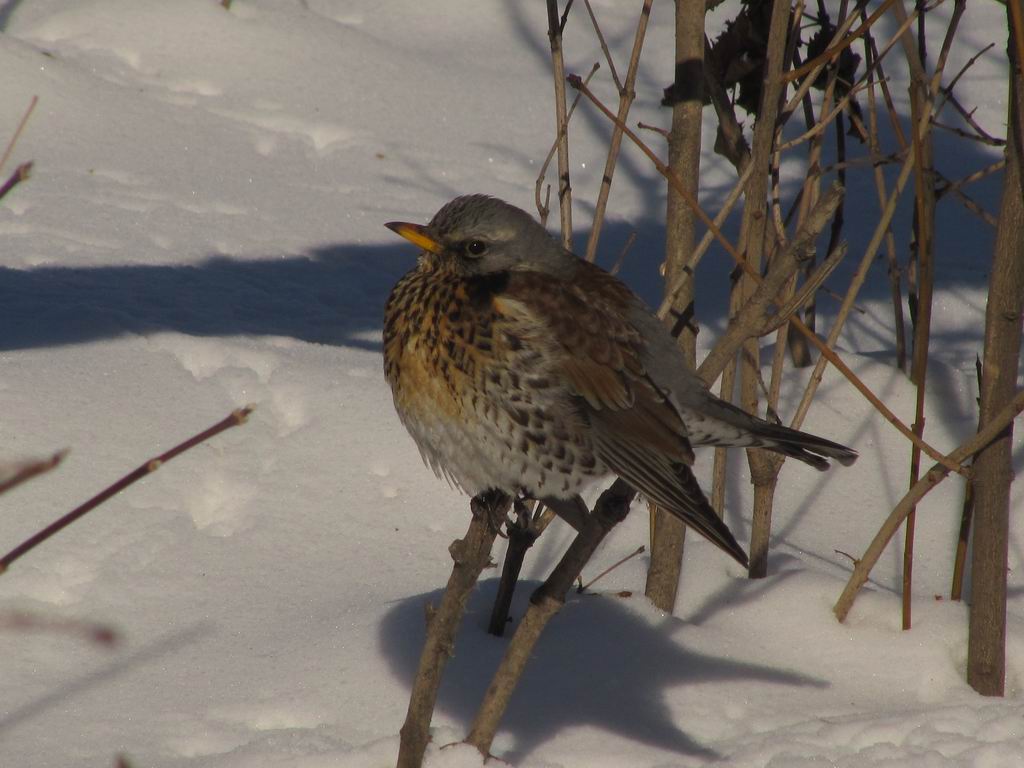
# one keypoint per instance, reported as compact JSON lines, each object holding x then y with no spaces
{"x":203,"y":230}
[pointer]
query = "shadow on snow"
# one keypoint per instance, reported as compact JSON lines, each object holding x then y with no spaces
{"x":599,"y":664}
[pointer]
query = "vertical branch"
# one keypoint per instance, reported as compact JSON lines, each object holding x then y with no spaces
{"x":561,"y":121}
{"x":966,"y":514}
{"x":626,"y":96}
{"x":754,"y":227}
{"x":799,"y":348}
{"x":470,"y":554}
{"x":994,"y":430}
{"x":726,"y":391}
{"x":924,"y":217}
{"x":986,"y":644}
{"x":874,"y":146}
{"x":17,"y":131}
{"x":668,"y":533}
{"x":542,"y":205}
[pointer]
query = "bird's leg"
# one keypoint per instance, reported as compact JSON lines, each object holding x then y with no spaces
{"x":526,"y":529}
{"x":521,"y":534}
{"x":611,"y":508}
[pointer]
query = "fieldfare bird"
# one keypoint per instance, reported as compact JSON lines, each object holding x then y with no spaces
{"x":516,"y":366}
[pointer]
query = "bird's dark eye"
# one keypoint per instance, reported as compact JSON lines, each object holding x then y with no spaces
{"x":476,"y":247}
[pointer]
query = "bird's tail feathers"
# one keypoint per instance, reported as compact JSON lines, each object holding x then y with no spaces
{"x":809,"y":449}
{"x":744,"y":430}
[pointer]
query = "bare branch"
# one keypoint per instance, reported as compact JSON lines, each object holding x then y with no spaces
{"x":17,"y":131}
{"x":544,"y":209}
{"x":561,"y":123}
{"x":604,"y":47}
{"x":826,"y":351}
{"x":470,"y":555}
{"x":21,"y":173}
{"x":626,"y":96}
{"x":750,"y":321}
{"x":233,"y":420}
{"x":836,"y":48}
{"x":22,"y":621}
{"x":13,"y":475}
{"x":920,"y":489}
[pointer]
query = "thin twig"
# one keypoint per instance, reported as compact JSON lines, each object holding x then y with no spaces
{"x":921,"y":102}
{"x":964,"y":199}
{"x":970,"y":178}
{"x":543,"y":208}
{"x":819,"y":127}
{"x":947,"y":90}
{"x":933,"y":477}
{"x":989,"y":141}
{"x":21,"y":173}
{"x":622,"y":254}
{"x":752,"y":318}
{"x":657,"y":129}
{"x":236,"y":418}
{"x":638,"y":551}
{"x":22,"y":621}
{"x":604,"y":47}
{"x":807,"y":82}
{"x":837,"y":47}
{"x":826,"y":351}
{"x":966,"y":511}
{"x":14,"y":475}
{"x":874,"y":147}
{"x":561,"y":123}
{"x":686,"y":274}
{"x":17,"y":131}
{"x":626,"y":96}
{"x":968,"y":117}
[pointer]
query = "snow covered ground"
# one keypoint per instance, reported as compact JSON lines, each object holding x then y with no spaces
{"x":203,"y":230}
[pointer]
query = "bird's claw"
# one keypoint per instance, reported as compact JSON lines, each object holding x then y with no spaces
{"x":491,"y":506}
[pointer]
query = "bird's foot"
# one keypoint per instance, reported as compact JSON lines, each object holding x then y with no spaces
{"x":491,"y":506}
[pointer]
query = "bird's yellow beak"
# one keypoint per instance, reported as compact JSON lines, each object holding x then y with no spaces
{"x":415,"y":233}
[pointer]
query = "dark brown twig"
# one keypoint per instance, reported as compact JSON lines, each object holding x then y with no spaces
{"x":638,"y":551}
{"x":561,"y":122}
{"x":522,"y":533}
{"x":892,"y":263}
{"x":21,"y":173}
{"x":626,"y":96}
{"x":921,"y":488}
{"x":988,"y":141}
{"x":17,"y":131}
{"x":543,"y":209}
{"x":827,"y":353}
{"x":604,"y":46}
{"x":22,"y":621}
{"x":14,"y":475}
{"x":966,"y":514}
{"x":834,"y":50}
{"x":233,"y":420}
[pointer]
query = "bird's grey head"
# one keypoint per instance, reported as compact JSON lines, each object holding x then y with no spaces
{"x":477,"y":234}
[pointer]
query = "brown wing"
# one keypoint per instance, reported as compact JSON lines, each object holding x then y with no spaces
{"x":582,"y":325}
